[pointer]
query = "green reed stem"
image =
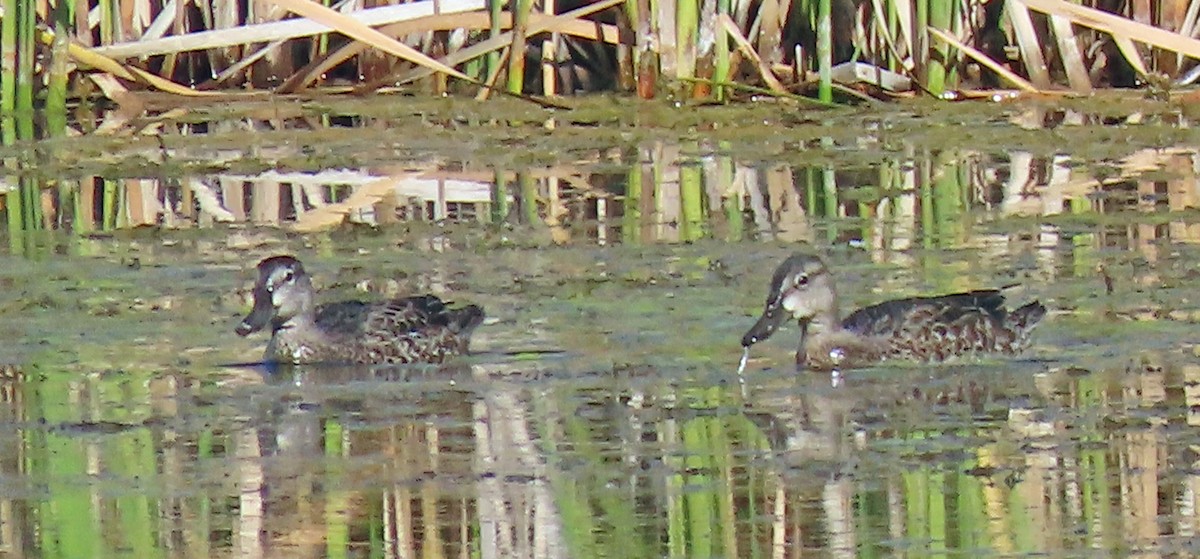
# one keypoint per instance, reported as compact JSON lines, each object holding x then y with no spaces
{"x":31,"y":192}
{"x":108,"y":20}
{"x":572,"y":493}
{"x":700,"y":504}
{"x":829,"y":186}
{"x":927,"y":218}
{"x":627,"y":56}
{"x":59,"y":72}
{"x":920,"y":51}
{"x":136,"y":512}
{"x":687,"y":29}
{"x":940,"y":15}
{"x":499,"y":198}
{"x":647,"y":66}
{"x":26,"y":45}
{"x":337,"y":529}
{"x":108,"y":218}
{"x":809,"y":180}
{"x":668,"y":437}
{"x":529,"y":194}
{"x":631,"y":220}
{"x":722,"y":454}
{"x":893,"y":18}
{"x":916,"y":494}
{"x":825,"y":50}
{"x":889,"y":181}
{"x":721,"y":69}
{"x":338,"y":509}
{"x":200,"y":511}
{"x":727,"y":169}
{"x":579,"y":520}
{"x":68,"y":514}
{"x":85,"y":206}
{"x":1095,"y":485}
{"x":969,"y":506}
{"x":516,"y":55}
{"x":948,"y":196}
{"x":1025,"y":535}
{"x":691,"y":199}
{"x":495,"y":11}
{"x":13,"y":215}
{"x":935,"y":507}
{"x":8,"y":73}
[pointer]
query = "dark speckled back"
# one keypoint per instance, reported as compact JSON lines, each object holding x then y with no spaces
{"x":936,"y":328}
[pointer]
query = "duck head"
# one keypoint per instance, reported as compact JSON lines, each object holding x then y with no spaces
{"x":283,"y":292}
{"x":801,"y":288}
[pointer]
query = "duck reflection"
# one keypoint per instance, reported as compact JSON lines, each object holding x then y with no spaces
{"x":431,"y":447}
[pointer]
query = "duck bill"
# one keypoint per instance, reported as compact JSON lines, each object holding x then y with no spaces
{"x":767,"y":324}
{"x":259,"y":316}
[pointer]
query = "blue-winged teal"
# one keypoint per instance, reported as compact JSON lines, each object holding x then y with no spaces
{"x":917,"y":328}
{"x":414,"y":329}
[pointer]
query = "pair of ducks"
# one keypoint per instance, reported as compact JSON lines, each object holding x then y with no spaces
{"x":425,"y":329}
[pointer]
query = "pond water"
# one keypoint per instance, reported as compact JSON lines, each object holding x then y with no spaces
{"x":619,"y":258}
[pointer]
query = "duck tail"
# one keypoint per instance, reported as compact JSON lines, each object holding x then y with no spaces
{"x":1025,"y":318}
{"x":464,"y":320}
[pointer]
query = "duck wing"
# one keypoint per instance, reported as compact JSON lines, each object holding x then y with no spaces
{"x":890,"y":317}
{"x":394,"y":317}
{"x":421,"y":328}
{"x":398,"y":317}
{"x":935,"y":328}
{"x":343,"y":316}
{"x":423,"y":313}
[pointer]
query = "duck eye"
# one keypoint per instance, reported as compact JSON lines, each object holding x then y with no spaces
{"x":801,"y":280}
{"x":287,"y":277}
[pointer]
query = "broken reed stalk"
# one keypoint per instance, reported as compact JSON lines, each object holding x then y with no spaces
{"x":687,"y":33}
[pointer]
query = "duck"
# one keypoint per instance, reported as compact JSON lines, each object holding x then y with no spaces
{"x":419,"y":329}
{"x":927,"y":329}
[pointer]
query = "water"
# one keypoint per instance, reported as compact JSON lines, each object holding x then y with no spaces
{"x":601,"y":414}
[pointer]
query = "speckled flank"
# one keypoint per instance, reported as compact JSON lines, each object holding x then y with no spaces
{"x":916,"y":328}
{"x":413,"y":329}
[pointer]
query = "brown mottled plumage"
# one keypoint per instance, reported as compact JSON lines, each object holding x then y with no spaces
{"x":413,"y":329}
{"x":917,"y":328}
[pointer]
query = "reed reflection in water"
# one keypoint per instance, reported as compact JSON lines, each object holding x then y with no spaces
{"x":1086,"y":445}
{"x":504,"y":460}
{"x":665,"y":194}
